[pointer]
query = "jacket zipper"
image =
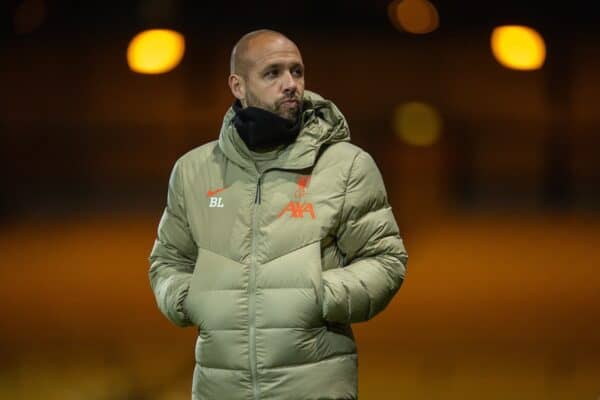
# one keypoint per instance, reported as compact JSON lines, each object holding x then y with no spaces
{"x":252,"y":295}
{"x":257,"y":197}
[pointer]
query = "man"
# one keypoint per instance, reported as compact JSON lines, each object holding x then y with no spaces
{"x":276,"y":238}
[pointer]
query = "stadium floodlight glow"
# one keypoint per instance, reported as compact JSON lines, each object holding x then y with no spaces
{"x":155,"y":51}
{"x":413,"y":16}
{"x":518,"y":47}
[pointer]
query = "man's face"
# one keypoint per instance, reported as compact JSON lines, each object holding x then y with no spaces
{"x":275,"y":77}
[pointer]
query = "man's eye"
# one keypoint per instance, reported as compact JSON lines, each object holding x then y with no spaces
{"x":297,"y":72}
{"x":270,"y":74}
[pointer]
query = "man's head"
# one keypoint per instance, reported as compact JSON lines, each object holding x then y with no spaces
{"x":266,"y":71}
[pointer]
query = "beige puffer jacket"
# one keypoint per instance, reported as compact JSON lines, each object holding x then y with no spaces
{"x":274,"y":267}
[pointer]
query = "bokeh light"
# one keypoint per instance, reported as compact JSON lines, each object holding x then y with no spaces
{"x":413,"y":16}
{"x":417,"y":123}
{"x":155,"y":51}
{"x":518,"y":47}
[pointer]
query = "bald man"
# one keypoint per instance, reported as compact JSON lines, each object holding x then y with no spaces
{"x":276,"y":238}
{"x":266,"y":71}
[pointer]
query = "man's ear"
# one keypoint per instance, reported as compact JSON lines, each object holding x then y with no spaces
{"x":237,"y":86}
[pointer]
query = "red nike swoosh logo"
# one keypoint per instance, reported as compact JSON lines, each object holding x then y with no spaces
{"x":211,"y":193}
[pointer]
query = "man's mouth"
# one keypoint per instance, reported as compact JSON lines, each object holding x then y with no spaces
{"x":290,"y":102}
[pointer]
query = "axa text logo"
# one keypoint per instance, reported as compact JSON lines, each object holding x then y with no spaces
{"x":297,"y":209}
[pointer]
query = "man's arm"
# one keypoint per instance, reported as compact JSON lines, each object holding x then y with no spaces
{"x":174,"y":254}
{"x":369,"y":238}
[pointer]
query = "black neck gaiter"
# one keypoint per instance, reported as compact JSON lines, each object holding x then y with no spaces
{"x":260,"y":128}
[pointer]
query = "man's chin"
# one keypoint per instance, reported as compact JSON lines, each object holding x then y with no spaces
{"x":290,"y":116}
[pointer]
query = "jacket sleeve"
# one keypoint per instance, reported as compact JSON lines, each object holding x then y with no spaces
{"x":173,"y":255}
{"x":374,"y":254}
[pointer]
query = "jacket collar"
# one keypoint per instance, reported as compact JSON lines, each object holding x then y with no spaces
{"x":322,"y":122}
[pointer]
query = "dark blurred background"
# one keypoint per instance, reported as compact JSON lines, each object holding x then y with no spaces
{"x":492,"y":172}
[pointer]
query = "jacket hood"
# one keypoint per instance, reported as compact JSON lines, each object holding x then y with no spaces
{"x":322,"y":123}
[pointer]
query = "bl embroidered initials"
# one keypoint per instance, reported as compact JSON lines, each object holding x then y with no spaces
{"x":216,"y":202}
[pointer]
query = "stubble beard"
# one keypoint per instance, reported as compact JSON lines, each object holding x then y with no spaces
{"x":254,"y":101}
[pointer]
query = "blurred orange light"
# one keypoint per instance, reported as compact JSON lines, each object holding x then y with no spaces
{"x":414,"y":16}
{"x":155,"y":51}
{"x":518,"y":47}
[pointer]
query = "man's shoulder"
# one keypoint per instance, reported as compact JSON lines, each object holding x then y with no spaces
{"x":356,"y":161}
{"x":344,"y":152}
{"x":199,"y":154}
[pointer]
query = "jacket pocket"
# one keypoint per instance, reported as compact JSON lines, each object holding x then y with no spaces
{"x":188,"y":308}
{"x":310,"y":257}
{"x":318,"y":278}
{"x":215,"y":292}
{"x":290,"y":289}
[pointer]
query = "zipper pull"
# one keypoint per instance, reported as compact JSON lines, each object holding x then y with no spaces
{"x":257,"y":197}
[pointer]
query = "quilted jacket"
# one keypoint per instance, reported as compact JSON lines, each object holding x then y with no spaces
{"x":273,"y":267}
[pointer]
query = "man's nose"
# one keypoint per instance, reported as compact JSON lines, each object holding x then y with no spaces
{"x":289,"y":83}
